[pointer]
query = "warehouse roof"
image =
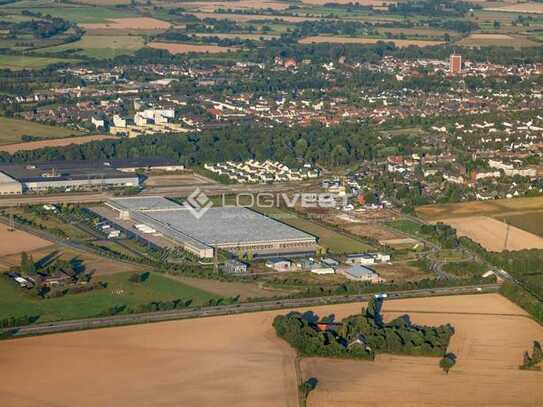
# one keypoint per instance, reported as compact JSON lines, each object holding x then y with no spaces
{"x":54,"y":171}
{"x":6,"y":179}
{"x":147,"y":203}
{"x":79,"y":169}
{"x":361,"y":272}
{"x":228,"y":225}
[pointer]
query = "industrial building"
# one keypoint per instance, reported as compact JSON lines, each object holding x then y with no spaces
{"x":77,"y":175}
{"x":9,"y":185}
{"x":234,"y":229}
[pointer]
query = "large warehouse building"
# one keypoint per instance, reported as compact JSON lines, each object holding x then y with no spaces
{"x":63,"y":175}
{"x":234,"y":229}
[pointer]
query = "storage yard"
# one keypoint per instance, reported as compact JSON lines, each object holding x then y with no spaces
{"x":168,"y":224}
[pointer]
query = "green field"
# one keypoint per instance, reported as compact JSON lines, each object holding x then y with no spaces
{"x":530,"y":221}
{"x":15,"y":301}
{"x":18,"y":62}
{"x":102,"y":46}
{"x":14,"y":129}
{"x":335,"y":242}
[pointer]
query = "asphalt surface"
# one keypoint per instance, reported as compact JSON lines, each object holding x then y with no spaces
{"x":200,"y":312}
{"x":167,"y":191}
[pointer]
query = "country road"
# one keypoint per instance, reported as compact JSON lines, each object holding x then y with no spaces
{"x":200,"y":312}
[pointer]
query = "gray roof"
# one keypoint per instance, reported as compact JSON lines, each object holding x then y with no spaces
{"x":360,"y":271}
{"x":144,"y":203}
{"x":228,"y":225}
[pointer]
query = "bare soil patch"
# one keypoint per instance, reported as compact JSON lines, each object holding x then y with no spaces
{"x":176,"y":48}
{"x":18,"y":241}
{"x":491,"y":233}
{"x":34,"y":145}
{"x":351,"y":40}
{"x":134,"y":23}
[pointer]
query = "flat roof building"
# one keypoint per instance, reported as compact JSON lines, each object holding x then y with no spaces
{"x":9,"y":185}
{"x":234,"y":229}
{"x":360,"y":273}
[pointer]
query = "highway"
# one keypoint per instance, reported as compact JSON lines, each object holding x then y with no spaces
{"x":200,"y":312}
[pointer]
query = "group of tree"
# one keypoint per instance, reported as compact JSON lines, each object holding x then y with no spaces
{"x":18,"y":321}
{"x":532,"y":361}
{"x":361,"y":335}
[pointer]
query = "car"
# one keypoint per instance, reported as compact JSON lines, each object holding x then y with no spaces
{"x":381,"y":295}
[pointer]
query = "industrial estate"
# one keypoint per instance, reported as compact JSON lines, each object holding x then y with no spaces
{"x":271,"y":203}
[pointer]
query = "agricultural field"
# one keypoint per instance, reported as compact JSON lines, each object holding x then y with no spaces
{"x":15,"y":301}
{"x":493,"y":234}
{"x":530,"y":221}
{"x":358,"y":40}
{"x":491,"y":335}
{"x":57,"y":142}
{"x":17,"y":241}
{"x":504,"y":40}
{"x":102,"y":46}
{"x":528,"y":7}
{"x":495,"y":208}
{"x":129,"y":24}
{"x":14,"y":129}
{"x":177,"y":48}
{"x":19,"y":62}
{"x":210,"y":6}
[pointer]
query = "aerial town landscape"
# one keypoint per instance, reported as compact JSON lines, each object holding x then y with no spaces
{"x":283,"y":203}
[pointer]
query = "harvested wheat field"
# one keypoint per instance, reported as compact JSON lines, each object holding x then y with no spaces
{"x":352,"y":40}
{"x":247,"y":365}
{"x":35,"y":145}
{"x":491,"y":336}
{"x":135,"y":23}
{"x":491,"y":233}
{"x":495,"y":208}
{"x":176,"y":48}
{"x":530,"y":7}
{"x":18,"y":241}
{"x":220,"y":361}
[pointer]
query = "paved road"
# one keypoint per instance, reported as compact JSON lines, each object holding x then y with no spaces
{"x":170,"y":191}
{"x":197,"y":312}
